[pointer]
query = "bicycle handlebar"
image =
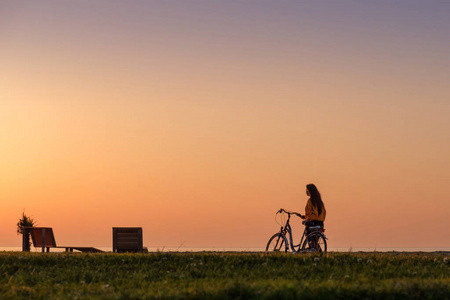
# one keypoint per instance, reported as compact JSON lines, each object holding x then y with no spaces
{"x":289,"y":212}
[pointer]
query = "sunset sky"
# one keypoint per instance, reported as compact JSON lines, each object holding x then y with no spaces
{"x":198,"y":120}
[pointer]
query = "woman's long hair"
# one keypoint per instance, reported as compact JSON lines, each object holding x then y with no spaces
{"x":316,"y":200}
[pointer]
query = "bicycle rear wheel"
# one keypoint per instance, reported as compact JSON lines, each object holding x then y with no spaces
{"x":315,"y":242}
{"x":277,"y":243}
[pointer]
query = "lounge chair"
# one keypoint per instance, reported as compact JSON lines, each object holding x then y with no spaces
{"x":128,"y":239}
{"x":43,"y":237}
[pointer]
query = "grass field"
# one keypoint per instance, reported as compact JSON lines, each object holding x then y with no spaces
{"x":224,"y":276}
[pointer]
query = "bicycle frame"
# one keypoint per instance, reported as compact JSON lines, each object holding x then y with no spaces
{"x":287,"y":229}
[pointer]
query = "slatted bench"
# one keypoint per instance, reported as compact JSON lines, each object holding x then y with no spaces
{"x":44,"y":238}
{"x":128,"y":239}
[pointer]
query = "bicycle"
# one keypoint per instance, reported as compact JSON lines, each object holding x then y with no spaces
{"x":313,"y":238}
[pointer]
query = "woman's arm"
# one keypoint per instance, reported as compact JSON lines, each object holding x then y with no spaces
{"x":308,"y":210}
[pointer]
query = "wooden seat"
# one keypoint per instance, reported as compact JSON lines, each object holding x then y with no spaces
{"x":44,"y":238}
{"x":128,"y":239}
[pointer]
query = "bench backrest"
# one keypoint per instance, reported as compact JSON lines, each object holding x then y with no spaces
{"x":127,"y":239}
{"x":37,"y":235}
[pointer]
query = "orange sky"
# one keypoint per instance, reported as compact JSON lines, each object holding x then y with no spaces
{"x":199,"y":121}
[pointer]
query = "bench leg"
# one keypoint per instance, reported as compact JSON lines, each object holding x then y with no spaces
{"x":43,"y":239}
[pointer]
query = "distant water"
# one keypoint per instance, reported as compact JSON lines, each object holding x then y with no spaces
{"x":219,"y":249}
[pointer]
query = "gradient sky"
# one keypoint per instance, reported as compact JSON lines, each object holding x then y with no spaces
{"x":198,"y":120}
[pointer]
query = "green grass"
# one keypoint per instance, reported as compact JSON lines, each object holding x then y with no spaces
{"x":224,"y":276}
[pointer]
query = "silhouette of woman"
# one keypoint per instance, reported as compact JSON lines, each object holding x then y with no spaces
{"x":315,"y":212}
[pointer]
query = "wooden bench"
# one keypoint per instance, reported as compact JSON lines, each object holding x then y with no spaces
{"x":128,"y":239}
{"x":43,"y":237}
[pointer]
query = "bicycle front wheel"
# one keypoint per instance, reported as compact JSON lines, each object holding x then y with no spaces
{"x":315,"y":242}
{"x":277,"y":243}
